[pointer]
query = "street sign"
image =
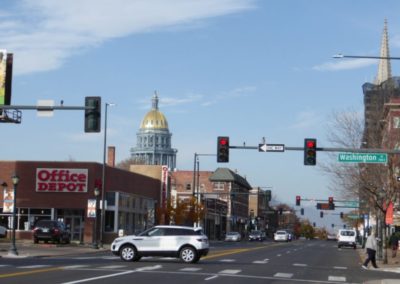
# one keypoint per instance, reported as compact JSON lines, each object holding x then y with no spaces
{"x":271,"y":147}
{"x":350,"y":204}
{"x":325,"y":206}
{"x":363,"y":157}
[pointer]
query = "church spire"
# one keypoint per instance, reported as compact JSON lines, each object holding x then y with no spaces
{"x":384,"y":68}
{"x":154,"y":101}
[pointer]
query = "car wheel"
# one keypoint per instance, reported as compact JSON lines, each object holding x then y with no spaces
{"x":128,"y":253}
{"x":188,"y":255}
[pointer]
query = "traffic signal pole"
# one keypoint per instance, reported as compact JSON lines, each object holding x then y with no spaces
{"x":327,"y":149}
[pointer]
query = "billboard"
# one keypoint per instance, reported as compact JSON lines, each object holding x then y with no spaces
{"x":6,"y":61}
{"x":61,"y":180}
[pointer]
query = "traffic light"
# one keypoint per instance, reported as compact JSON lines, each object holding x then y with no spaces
{"x":313,"y":224}
{"x":333,"y":225}
{"x":298,"y":199}
{"x":331,"y":204}
{"x":321,"y":214}
{"x":93,"y":116}
{"x":223,"y":149}
{"x":302,"y":211}
{"x":310,"y":152}
{"x":280,"y":211}
{"x":341,"y":215}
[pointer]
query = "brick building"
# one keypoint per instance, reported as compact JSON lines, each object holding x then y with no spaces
{"x":61,"y":190}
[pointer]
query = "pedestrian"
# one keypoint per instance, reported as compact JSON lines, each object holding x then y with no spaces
{"x":371,"y":247}
{"x":394,"y":243}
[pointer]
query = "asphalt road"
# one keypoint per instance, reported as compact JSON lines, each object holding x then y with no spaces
{"x":296,"y":262}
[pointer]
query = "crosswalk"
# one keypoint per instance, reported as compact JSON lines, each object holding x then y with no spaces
{"x":200,"y":270}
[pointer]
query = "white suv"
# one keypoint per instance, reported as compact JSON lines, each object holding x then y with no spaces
{"x":186,"y":243}
{"x":347,"y":238}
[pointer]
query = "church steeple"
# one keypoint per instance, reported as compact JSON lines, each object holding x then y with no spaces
{"x":384,"y":68}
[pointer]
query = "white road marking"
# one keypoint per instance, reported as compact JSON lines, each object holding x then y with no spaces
{"x":260,"y":262}
{"x":100,"y":277}
{"x":278,"y":255}
{"x":110,"y":257}
{"x":337,"y":278}
{"x":283,"y":275}
{"x":4,"y":265}
{"x":112,"y":266}
{"x":230,"y":271}
{"x":212,"y":277}
{"x":192,"y":269}
{"x":339,"y":267}
{"x":299,"y":264}
{"x":227,"y":260}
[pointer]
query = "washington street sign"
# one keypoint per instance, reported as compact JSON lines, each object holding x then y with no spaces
{"x":363,"y":157}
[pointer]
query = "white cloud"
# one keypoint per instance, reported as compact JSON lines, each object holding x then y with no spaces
{"x":44,"y":33}
{"x":345,"y":64}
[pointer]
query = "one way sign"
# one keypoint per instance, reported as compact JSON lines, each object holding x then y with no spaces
{"x":271,"y":147}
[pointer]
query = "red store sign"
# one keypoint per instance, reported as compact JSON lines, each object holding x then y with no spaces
{"x":61,"y":180}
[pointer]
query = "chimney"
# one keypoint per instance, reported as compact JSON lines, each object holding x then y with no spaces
{"x":111,"y":156}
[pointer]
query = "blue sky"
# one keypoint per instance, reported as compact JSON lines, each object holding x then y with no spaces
{"x":246,"y":69}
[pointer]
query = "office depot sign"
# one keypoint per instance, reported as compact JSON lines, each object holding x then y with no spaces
{"x":61,"y":180}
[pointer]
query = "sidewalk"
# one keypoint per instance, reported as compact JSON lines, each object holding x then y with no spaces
{"x":393,"y":264}
{"x":28,"y":249}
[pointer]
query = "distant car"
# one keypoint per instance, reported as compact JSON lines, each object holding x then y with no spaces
{"x":187,"y":243}
{"x":281,"y":235}
{"x":257,"y":236}
{"x":331,"y":237}
{"x":347,"y":238}
{"x":233,"y":237}
{"x":3,"y":232}
{"x":51,"y":230}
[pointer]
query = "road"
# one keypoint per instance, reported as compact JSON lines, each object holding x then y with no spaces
{"x":295,"y":262}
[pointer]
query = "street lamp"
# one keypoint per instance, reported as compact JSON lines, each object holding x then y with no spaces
{"x":13,"y":250}
{"x":104,"y":175}
{"x":96,"y":195}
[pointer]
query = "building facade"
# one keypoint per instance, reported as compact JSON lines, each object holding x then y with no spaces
{"x":153,"y":145}
{"x":62,"y":191}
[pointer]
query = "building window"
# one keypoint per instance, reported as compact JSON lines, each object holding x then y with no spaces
{"x":219,"y":185}
{"x":188,"y":186}
{"x":396,"y":122}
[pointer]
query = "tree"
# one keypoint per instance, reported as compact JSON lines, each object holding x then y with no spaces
{"x":373,"y":184}
{"x":125,"y":164}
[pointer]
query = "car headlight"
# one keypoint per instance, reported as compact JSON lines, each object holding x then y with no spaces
{"x":116,"y":241}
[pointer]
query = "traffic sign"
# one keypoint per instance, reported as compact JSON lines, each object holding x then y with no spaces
{"x":363,"y":157}
{"x":271,"y":147}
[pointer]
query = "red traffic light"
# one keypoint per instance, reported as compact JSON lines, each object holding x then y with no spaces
{"x":298,"y":198}
{"x":310,"y":144}
{"x":223,"y":141}
{"x":330,"y":199}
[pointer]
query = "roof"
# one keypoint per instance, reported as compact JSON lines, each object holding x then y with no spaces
{"x":227,"y":175}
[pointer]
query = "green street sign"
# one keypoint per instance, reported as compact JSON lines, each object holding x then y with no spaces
{"x":351,"y":204}
{"x":363,"y":158}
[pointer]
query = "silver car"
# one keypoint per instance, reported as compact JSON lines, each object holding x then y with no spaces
{"x":187,"y":243}
{"x":233,"y":237}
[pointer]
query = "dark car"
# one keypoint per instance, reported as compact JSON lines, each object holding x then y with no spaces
{"x":257,"y":236}
{"x":49,"y":230}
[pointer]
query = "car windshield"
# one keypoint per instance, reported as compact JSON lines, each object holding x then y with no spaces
{"x":280,"y":233}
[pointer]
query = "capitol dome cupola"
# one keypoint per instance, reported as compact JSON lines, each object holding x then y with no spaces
{"x":154,"y":119}
{"x":153,"y":145}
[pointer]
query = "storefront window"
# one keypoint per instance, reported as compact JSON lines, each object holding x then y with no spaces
{"x":110,"y":197}
{"x":109,"y":221}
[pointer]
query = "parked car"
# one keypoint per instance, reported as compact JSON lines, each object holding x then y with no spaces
{"x":3,"y":232}
{"x":257,"y":236}
{"x":187,"y":243}
{"x":233,"y":237}
{"x":281,"y":235}
{"x":51,"y":230}
{"x":347,"y":238}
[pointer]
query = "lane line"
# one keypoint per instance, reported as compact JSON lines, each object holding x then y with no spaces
{"x":210,"y":278}
{"x":337,"y":278}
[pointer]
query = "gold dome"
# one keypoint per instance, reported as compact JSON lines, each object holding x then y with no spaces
{"x":154,"y":119}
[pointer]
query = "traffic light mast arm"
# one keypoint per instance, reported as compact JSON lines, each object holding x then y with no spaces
{"x":45,"y":108}
{"x":326,"y":149}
